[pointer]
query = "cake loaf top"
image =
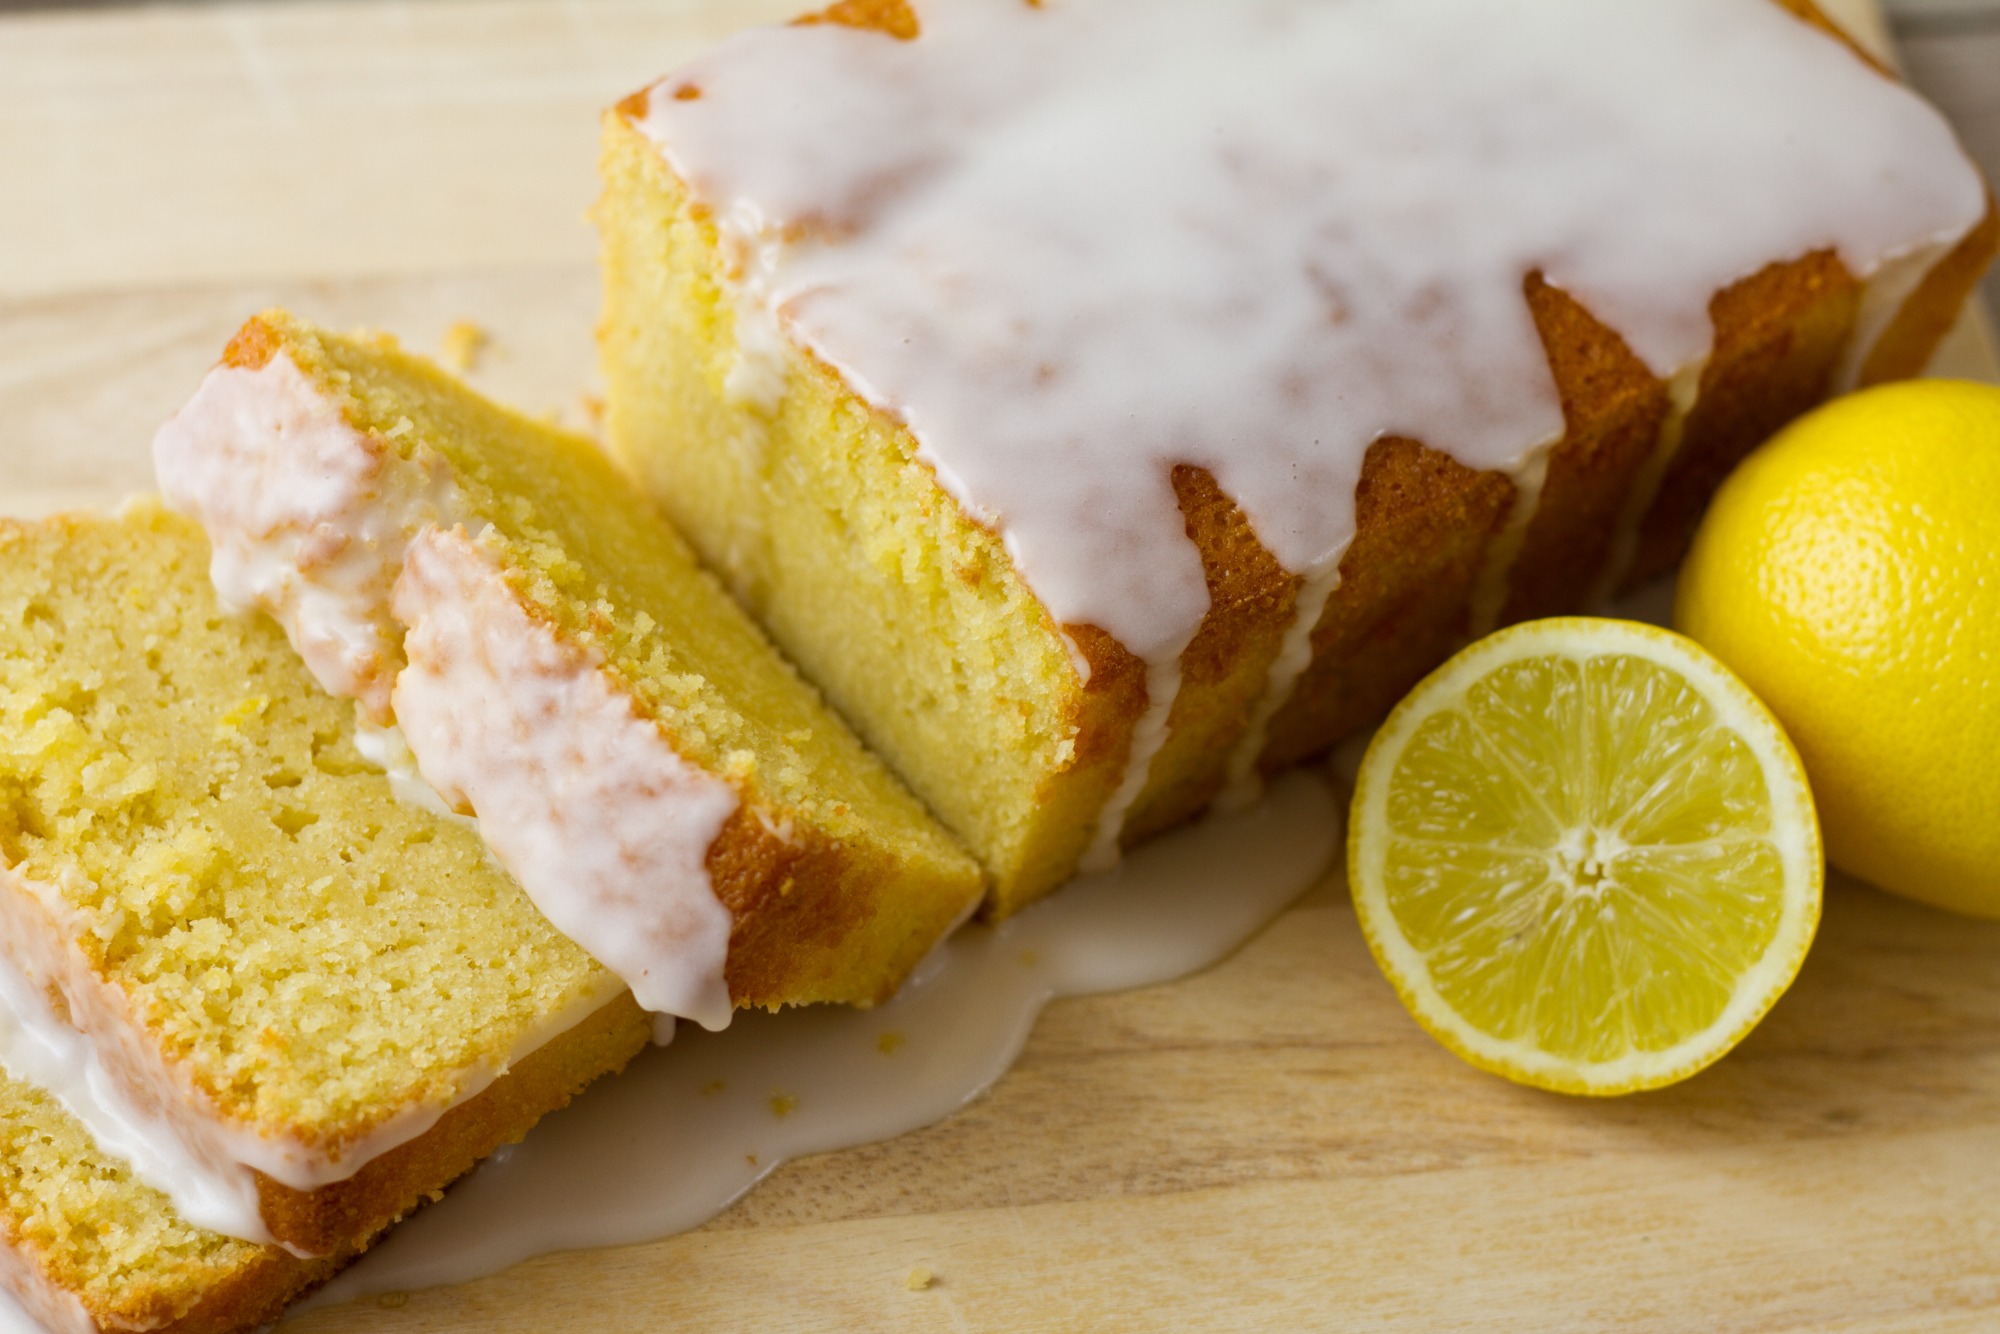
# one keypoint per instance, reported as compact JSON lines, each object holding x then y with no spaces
{"x":1072,"y":244}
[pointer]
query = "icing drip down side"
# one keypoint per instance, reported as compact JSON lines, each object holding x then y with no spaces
{"x":581,"y":799}
{"x":40,"y":1047}
{"x":1290,"y":229}
{"x":685,"y":1131}
{"x":307,"y":517}
{"x":318,"y":523}
{"x":97,"y":1059}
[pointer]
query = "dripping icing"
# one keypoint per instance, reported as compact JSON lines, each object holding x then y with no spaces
{"x":1241,"y":782}
{"x":319,"y":523}
{"x":1232,"y":245}
{"x":1493,"y":583}
{"x":1683,"y":392}
{"x":1885,"y":289}
{"x":665,"y":1146}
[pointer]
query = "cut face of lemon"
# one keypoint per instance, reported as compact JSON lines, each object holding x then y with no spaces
{"x":1585,"y":855}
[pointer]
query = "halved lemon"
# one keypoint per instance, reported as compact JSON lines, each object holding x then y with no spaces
{"x":1585,"y":855}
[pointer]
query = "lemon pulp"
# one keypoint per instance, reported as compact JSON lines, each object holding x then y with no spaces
{"x":1585,"y":856}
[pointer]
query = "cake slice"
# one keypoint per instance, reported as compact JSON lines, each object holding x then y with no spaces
{"x":88,"y":1247}
{"x":667,"y":789}
{"x":1106,"y":402}
{"x":276,"y":992}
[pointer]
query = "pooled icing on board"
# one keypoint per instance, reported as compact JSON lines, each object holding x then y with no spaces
{"x":689,"y":1128}
{"x":692,"y":1126}
{"x":1071,"y":245}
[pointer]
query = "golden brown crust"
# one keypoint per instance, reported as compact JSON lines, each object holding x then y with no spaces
{"x":1905,"y":346}
{"x":1812,"y":14}
{"x":796,"y":895}
{"x":894,"y":17}
{"x":1423,"y":522}
{"x":1103,"y":713}
{"x":1425,"y":529}
{"x":795,"y":898}
{"x":1612,"y":409}
{"x":341,"y":1220}
{"x":251,"y":1295}
{"x":1779,"y":334}
{"x":1251,"y":599}
{"x":632,"y":107}
{"x":347,"y":1213}
{"x":253,"y":345}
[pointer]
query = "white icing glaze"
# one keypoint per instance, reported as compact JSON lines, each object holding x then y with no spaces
{"x":98,"y":1060}
{"x":1242,"y":784}
{"x":1494,"y":581}
{"x":1683,"y":392}
{"x":308,"y":517}
{"x":38,"y":1047}
{"x":757,"y":376}
{"x":139,"y":1107}
{"x":30,"y":1304}
{"x":604,"y":825}
{"x":1149,"y":734}
{"x":1290,"y":229}
{"x":389,"y":750}
{"x":305,"y":1166}
{"x":1894,"y":281}
{"x":662,"y":1148}
{"x":314,"y":521}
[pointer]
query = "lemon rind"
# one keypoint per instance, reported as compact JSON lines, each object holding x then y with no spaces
{"x":1795,"y":836}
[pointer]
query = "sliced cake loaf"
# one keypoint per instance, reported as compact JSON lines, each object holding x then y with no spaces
{"x":88,"y":1247}
{"x":276,"y":992}
{"x":660,"y":781}
{"x":1104,"y":402}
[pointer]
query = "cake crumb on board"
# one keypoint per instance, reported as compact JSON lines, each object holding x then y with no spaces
{"x":463,"y":342}
{"x":920,"y":1279}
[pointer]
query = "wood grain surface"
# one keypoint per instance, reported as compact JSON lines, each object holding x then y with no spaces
{"x":1271,"y":1144}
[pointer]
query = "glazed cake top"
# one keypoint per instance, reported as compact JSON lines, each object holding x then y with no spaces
{"x":1073,"y":244}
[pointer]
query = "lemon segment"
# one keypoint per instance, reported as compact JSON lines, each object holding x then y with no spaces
{"x":1585,"y":856}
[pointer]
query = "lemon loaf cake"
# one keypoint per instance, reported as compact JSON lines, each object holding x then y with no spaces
{"x":272,"y":990}
{"x":660,"y":781}
{"x":89,"y":1247}
{"x":1106,"y":401}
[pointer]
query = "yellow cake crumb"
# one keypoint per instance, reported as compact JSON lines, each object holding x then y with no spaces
{"x":463,"y":342}
{"x":314,"y":953}
{"x":889,"y":1043}
{"x":231,"y":860}
{"x":919,"y":1279}
{"x":838,"y":878}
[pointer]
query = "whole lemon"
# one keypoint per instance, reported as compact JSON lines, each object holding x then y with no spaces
{"x":1849,"y":572}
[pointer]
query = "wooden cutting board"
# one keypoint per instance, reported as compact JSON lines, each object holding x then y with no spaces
{"x":1272,"y":1144}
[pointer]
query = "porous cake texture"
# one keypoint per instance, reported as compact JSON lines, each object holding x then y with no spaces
{"x":90,"y":1248}
{"x":287,"y":969}
{"x":832,"y":879}
{"x":814,"y":494}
